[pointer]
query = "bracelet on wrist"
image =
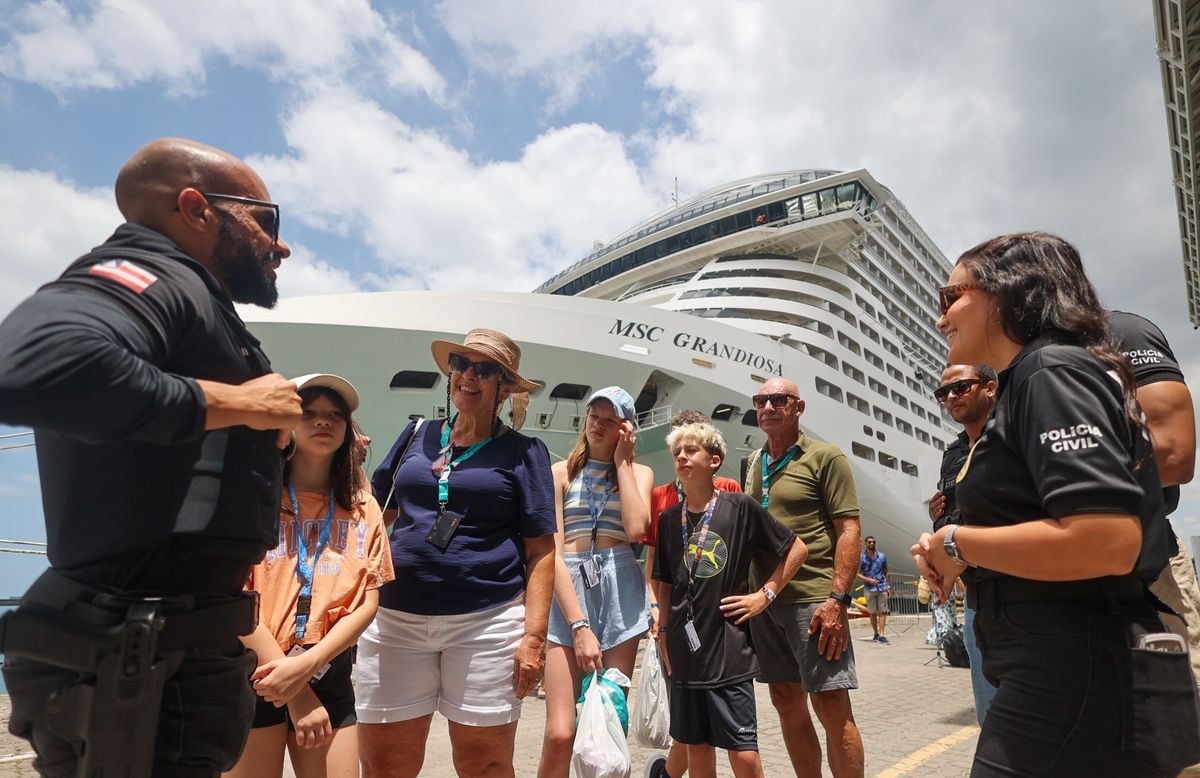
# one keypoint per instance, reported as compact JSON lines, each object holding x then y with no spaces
{"x":770,"y":595}
{"x":580,"y":624}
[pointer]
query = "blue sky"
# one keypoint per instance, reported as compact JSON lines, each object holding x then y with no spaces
{"x":482,"y":145}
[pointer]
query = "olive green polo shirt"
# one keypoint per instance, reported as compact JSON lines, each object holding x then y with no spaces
{"x":815,"y":488}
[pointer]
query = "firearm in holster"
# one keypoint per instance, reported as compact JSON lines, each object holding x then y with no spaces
{"x":125,"y":648}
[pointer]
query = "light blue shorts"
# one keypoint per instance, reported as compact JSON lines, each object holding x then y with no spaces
{"x":617,"y":608}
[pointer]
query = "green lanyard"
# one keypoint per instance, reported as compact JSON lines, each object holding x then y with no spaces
{"x":444,"y":478}
{"x":769,"y":473}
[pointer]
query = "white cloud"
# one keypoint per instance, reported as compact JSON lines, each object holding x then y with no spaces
{"x":563,"y":45}
{"x":46,"y":222}
{"x":119,"y":43}
{"x":434,"y":216}
{"x":303,"y":274}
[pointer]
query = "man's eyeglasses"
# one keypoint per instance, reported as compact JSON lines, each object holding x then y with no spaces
{"x":483,"y":370}
{"x":957,"y":388}
{"x":777,"y":400}
{"x":270,"y":226}
{"x":949,"y":294}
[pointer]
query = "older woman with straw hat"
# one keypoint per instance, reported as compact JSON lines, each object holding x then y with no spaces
{"x":462,"y":629}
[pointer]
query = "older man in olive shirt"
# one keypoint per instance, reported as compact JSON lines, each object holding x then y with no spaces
{"x":802,"y":641}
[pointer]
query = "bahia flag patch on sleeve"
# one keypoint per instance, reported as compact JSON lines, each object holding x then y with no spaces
{"x":125,"y":273}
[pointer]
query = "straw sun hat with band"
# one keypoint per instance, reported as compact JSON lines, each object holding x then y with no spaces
{"x":497,"y":347}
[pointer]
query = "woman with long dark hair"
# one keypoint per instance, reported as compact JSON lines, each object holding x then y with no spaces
{"x":601,"y":605}
{"x":318,"y":589}
{"x":1063,"y":527}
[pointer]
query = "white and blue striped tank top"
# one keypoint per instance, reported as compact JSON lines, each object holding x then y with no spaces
{"x":577,"y":517}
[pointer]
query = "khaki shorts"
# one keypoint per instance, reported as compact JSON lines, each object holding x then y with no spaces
{"x":877,"y":603}
{"x":787,"y":654}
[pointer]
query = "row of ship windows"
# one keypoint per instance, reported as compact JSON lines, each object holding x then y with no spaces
{"x":885,"y":459}
{"x":913,"y":324}
{"x":820,"y":327}
{"x":879,"y":414}
{"x":716,"y":203}
{"x":928,"y":342}
{"x":808,"y":206}
{"x":914,"y":259}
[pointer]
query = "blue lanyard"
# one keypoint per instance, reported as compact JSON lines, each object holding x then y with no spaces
{"x":587,"y":487}
{"x":444,"y":478}
{"x":768,"y":474}
{"x":680,"y":495}
{"x":305,"y":567}
{"x":703,"y":528}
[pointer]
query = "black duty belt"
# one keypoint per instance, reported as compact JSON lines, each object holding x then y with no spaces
{"x":991,"y":592}
{"x":92,"y":614}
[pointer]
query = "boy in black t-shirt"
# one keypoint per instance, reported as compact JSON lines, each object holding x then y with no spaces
{"x":706,"y":581}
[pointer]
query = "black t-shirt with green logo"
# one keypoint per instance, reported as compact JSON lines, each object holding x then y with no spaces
{"x":739,"y":528}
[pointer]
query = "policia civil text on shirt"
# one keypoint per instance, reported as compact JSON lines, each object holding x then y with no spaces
{"x":1063,"y":528}
{"x":157,"y":423}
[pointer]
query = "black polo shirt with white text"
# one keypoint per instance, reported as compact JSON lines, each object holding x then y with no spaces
{"x":1059,"y":444}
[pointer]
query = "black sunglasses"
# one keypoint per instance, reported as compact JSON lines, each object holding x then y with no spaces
{"x":271,"y":227}
{"x":948,"y":295}
{"x":958,"y":388}
{"x":777,"y":400}
{"x":483,"y":370}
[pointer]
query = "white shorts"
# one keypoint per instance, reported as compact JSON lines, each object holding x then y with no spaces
{"x":410,"y":665}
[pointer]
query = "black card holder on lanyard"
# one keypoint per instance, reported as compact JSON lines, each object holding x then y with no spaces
{"x":444,"y":526}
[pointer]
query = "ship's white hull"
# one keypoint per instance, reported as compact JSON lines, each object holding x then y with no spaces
{"x":693,"y":363}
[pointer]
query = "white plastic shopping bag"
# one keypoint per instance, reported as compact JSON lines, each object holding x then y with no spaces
{"x":651,"y":726}
{"x":600,"y":749}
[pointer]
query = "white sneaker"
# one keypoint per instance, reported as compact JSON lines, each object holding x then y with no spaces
{"x":656,"y":766}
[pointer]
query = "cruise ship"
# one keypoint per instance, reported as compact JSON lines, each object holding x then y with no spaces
{"x":820,"y":276}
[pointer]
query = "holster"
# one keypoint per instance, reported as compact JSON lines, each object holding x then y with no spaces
{"x":124,"y":648}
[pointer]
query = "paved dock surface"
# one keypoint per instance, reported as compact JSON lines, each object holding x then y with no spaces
{"x":916,"y":718}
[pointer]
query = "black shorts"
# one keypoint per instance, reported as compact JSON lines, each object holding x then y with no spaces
{"x":335,"y":691}
{"x":725,"y":717}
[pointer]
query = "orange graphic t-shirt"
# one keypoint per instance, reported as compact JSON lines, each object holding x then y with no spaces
{"x":357,"y":558}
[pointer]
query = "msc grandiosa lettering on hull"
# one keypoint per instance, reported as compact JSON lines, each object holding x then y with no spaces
{"x":1073,"y":438}
{"x":689,"y":342}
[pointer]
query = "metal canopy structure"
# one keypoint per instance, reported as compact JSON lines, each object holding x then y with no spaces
{"x":1177,"y":28}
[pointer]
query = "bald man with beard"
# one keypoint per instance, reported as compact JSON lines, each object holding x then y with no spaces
{"x":158,"y":424}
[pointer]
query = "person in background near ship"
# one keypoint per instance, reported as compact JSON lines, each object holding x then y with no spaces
{"x":803,"y":642}
{"x":601,"y":608}
{"x":873,"y":572}
{"x":158,"y":419}
{"x":1170,"y":417}
{"x":674,"y":763}
{"x":318,"y":589}
{"x":969,"y":393}
{"x":1063,"y":528}
{"x":462,"y":629}
{"x":703,"y":563}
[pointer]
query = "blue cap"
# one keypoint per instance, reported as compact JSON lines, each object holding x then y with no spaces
{"x":621,"y":401}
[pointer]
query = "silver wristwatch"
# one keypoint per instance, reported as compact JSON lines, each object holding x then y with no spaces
{"x":951,"y":547}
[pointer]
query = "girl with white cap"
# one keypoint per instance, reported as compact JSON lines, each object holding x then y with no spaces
{"x":318,"y":589}
{"x":601,"y":605}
